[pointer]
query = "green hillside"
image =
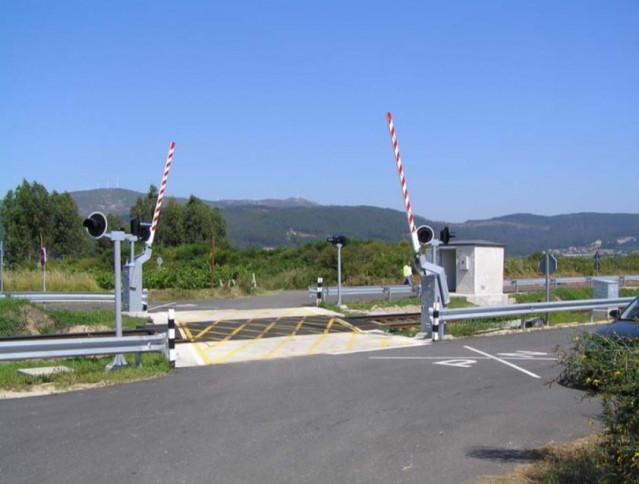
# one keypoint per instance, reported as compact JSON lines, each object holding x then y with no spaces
{"x":277,"y":223}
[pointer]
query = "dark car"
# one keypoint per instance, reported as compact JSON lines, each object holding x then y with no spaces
{"x":626,"y":323}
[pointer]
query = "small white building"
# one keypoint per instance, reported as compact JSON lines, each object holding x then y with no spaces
{"x":475,"y":270}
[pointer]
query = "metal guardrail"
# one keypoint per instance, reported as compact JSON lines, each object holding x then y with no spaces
{"x":517,"y":284}
{"x":509,"y":285}
{"x":62,"y":348}
{"x":42,"y":297}
{"x":446,"y":314}
{"x":383,"y":291}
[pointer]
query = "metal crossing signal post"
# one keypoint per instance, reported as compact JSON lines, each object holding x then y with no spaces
{"x":433,"y":276}
{"x":96,"y":226}
{"x":338,"y":241}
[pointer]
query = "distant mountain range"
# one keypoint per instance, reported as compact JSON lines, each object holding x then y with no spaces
{"x":293,"y":221}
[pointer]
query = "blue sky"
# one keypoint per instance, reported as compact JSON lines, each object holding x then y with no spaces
{"x":500,"y":107}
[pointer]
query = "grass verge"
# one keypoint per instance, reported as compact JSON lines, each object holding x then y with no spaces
{"x":84,"y":371}
{"x":19,"y":317}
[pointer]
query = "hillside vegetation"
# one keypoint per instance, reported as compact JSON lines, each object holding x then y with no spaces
{"x":279,"y":223}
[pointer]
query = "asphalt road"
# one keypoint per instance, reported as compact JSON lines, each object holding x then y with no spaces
{"x":445,"y":413}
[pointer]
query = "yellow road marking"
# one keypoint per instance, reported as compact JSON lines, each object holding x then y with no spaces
{"x":222,"y":359}
{"x":229,"y":336}
{"x":384,"y":343}
{"x":249,"y":343}
{"x":349,"y":326}
{"x":200,"y":353}
{"x":186,"y":332}
{"x":321,"y":338}
{"x":288,"y":338}
{"x":351,"y":342}
{"x":209,"y":328}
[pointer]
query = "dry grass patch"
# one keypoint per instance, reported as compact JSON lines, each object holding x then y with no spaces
{"x":577,"y":462}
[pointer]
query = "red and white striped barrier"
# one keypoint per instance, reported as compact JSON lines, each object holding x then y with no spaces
{"x":158,"y":205}
{"x":402,"y":182}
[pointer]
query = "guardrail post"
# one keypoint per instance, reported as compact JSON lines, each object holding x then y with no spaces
{"x":319,"y":298}
{"x":171,"y":335}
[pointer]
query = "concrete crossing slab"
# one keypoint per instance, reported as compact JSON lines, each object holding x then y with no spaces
{"x":229,"y":336}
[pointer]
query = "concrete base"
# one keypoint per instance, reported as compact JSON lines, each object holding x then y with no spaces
{"x":44,"y":370}
{"x":486,"y":299}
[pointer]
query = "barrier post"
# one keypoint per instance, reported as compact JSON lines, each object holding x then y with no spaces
{"x":319,"y":298}
{"x":171,"y":334}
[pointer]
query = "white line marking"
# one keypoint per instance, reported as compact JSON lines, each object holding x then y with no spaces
{"x":419,"y":357}
{"x":161,"y":306}
{"x":457,"y":363}
{"x":503,"y":361}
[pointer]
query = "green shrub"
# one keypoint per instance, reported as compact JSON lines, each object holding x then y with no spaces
{"x":12,"y":323}
{"x":609,"y":368}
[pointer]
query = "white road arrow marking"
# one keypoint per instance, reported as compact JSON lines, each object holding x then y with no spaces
{"x":457,"y":363}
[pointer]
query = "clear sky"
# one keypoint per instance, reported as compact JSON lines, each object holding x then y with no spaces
{"x":500,"y":107}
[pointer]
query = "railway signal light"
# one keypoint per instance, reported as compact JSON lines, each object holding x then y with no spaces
{"x":142,"y":230}
{"x":445,"y":235}
{"x":95,"y":225}
{"x":337,"y":239}
{"x":425,"y":234}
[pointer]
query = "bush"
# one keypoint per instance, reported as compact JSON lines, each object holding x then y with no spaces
{"x":11,"y":319}
{"x":609,"y":367}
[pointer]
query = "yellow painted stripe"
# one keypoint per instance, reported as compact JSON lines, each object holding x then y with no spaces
{"x":288,"y":339}
{"x":384,"y":342}
{"x":351,"y":342}
{"x":198,"y":350}
{"x":349,"y":326}
{"x":186,"y":332}
{"x":229,"y":336}
{"x":222,"y":359}
{"x":209,"y":328}
{"x":321,"y":338}
{"x":228,"y":355}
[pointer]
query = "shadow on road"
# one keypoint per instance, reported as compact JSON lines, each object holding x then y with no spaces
{"x":500,"y":454}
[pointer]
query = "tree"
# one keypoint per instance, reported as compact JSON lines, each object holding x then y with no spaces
{"x":198,"y":224}
{"x":68,"y":235}
{"x":201,"y":222}
{"x":145,"y":206}
{"x":171,"y":225}
{"x":31,"y":218}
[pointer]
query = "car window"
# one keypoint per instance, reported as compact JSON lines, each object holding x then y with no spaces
{"x":632,"y":311}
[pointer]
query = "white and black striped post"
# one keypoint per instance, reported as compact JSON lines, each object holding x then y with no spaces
{"x":319,"y":291}
{"x":171,"y":333}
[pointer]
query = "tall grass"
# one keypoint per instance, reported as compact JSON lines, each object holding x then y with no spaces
{"x":56,"y":281}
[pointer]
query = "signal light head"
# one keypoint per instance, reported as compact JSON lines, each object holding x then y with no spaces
{"x":95,"y":225}
{"x":142,"y":230}
{"x":445,"y":235}
{"x":425,"y":234}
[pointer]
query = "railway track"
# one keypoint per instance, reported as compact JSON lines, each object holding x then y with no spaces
{"x":388,"y":320}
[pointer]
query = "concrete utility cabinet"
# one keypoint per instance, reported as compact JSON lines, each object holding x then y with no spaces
{"x":475,"y":270}
{"x":604,"y":288}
